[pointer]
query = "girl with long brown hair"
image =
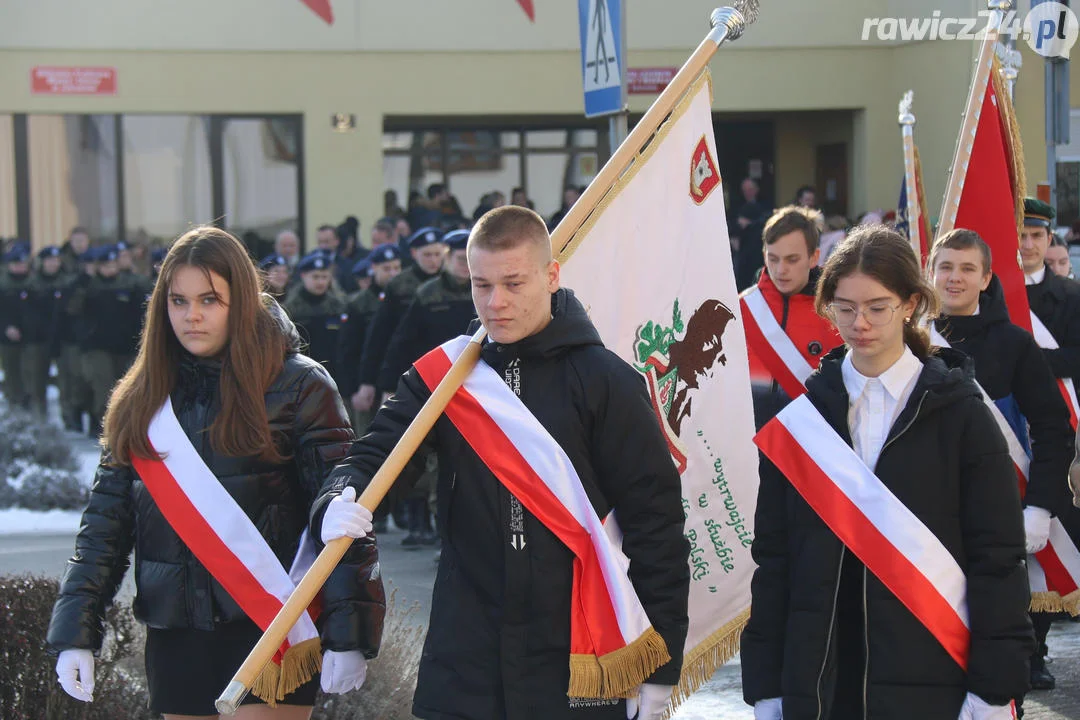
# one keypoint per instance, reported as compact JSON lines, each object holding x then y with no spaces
{"x":910,"y":502}
{"x":216,"y":443}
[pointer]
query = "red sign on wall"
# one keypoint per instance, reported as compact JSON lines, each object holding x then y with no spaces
{"x":51,"y":80}
{"x":648,"y":81}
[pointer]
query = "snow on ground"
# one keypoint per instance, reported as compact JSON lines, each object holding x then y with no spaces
{"x":721,"y":697}
{"x":15,"y":521}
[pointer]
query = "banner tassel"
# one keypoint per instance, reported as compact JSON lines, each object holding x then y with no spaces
{"x":298,"y":666}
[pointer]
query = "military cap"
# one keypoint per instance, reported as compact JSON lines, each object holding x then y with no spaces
{"x":121,"y":246}
{"x":384,"y":253}
{"x":19,"y":252}
{"x":48,"y":252}
{"x":314,"y":261}
{"x":362,"y":268}
{"x":271,"y":260}
{"x":107,"y":253}
{"x":158,"y":254}
{"x":91,"y":255}
{"x":456,"y":239}
{"x":1037,"y":213}
{"x":424,"y":237}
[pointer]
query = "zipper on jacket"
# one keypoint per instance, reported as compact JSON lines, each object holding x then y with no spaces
{"x":894,"y":438}
{"x":866,"y":648}
{"x":866,"y":605}
{"x":832,"y":624}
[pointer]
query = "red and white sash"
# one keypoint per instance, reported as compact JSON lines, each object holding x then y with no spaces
{"x":884,"y":534}
{"x":220,"y":534}
{"x":772,"y":345}
{"x":1045,"y":339}
{"x":613,"y":647}
{"x":1054,"y":571}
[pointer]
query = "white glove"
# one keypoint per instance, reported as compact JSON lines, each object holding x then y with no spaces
{"x":1036,"y":528}
{"x":975,"y":708}
{"x":651,"y":702}
{"x":343,"y":671}
{"x":771,"y":709}
{"x":344,"y":516}
{"x":75,"y":671}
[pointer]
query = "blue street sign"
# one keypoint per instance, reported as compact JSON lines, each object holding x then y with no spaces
{"x":602,"y":64}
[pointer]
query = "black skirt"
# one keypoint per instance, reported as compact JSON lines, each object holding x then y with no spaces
{"x":186,"y":670}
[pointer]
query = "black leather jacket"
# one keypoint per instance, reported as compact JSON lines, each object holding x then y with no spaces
{"x":174,"y":590}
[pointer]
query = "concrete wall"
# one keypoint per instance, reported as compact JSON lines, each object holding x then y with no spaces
{"x":484,"y":58}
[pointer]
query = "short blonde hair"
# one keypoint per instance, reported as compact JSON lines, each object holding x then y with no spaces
{"x":509,"y":227}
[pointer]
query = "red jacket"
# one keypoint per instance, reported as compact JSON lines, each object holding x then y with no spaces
{"x":812,"y":334}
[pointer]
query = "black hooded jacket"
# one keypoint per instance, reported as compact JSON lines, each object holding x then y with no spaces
{"x":173,"y":589}
{"x":823,"y":630}
{"x":498,"y":643}
{"x":1056,"y":301}
{"x":1011,"y":368}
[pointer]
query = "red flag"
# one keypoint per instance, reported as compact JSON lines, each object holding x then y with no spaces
{"x":527,"y":6}
{"x":322,"y":9}
{"x":988,"y":200}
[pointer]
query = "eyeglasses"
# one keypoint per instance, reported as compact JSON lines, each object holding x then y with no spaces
{"x":876,"y":315}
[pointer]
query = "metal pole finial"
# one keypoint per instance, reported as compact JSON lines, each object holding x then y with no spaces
{"x":906,"y":117}
{"x":729,"y":21}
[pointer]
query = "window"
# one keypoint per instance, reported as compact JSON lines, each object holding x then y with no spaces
{"x":261,"y":176}
{"x":474,"y":162}
{"x":166,"y":174}
{"x":9,"y":220}
{"x":73,"y":177}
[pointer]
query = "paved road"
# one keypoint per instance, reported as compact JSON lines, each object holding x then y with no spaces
{"x":411,"y":573}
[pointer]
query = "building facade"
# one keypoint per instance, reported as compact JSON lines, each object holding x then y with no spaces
{"x":263,"y":115}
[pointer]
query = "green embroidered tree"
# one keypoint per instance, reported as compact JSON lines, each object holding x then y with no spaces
{"x":656,"y":338}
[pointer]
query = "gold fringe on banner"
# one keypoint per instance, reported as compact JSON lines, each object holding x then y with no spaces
{"x":1052,"y":602}
{"x":298,"y":666}
{"x":1015,"y":150}
{"x":617,"y":674}
{"x":703,"y":661}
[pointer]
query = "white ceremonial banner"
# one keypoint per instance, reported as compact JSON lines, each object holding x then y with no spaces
{"x":653,"y":267}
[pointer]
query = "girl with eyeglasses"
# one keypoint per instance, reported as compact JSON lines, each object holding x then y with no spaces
{"x":828,"y":637}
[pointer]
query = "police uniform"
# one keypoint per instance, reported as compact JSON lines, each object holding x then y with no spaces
{"x":442,"y":309}
{"x":45,"y":323}
{"x":111,"y":312}
{"x":1055,"y":300}
{"x":76,"y":395}
{"x":319,"y":318}
{"x":361,"y":308}
{"x":14,"y":290}
{"x":268,"y":263}
{"x":395,"y":301}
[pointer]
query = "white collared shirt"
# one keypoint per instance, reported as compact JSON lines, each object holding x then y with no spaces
{"x":1036,"y":277}
{"x":875,"y":402}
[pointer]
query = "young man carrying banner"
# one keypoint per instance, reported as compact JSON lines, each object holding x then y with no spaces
{"x":786,"y":338}
{"x":548,"y":436}
{"x":1014,"y":375}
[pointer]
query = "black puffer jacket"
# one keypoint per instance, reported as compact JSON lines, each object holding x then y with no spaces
{"x":817,"y":631}
{"x":1016,"y":376}
{"x":174,"y":590}
{"x":498,"y":643}
{"x":1056,"y":301}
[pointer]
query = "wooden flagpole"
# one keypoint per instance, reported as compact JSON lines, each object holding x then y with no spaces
{"x":728,"y":23}
{"x":950,"y":206}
